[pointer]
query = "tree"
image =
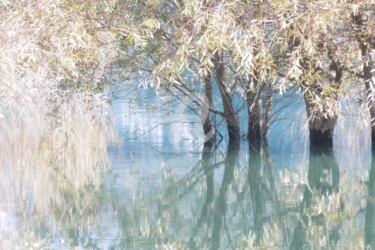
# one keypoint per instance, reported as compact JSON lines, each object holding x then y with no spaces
{"x":254,"y":48}
{"x":363,"y":19}
{"x":54,"y":128}
{"x":209,"y":40}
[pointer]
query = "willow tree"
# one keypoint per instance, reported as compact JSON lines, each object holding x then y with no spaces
{"x":229,"y":39}
{"x":363,"y":20}
{"x":311,"y":33}
{"x":200,"y":51}
{"x":253,"y":60}
{"x":151,"y":37}
{"x":217,"y":42}
{"x":249,"y":46}
{"x":54,"y":127}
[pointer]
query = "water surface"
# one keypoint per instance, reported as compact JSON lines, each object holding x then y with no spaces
{"x":164,"y":190}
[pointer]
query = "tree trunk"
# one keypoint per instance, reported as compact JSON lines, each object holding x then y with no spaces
{"x":322,"y":106}
{"x":207,"y":125}
{"x":258,"y":121}
{"x":254,"y":116}
{"x":267,"y":112}
{"x":321,"y":122}
{"x":225,"y":92}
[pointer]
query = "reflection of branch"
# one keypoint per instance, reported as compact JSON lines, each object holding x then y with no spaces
{"x":157,"y":125}
{"x":219,"y":213}
{"x":194,"y":182}
{"x":227,"y":232}
{"x":164,"y":152}
{"x":209,"y":175}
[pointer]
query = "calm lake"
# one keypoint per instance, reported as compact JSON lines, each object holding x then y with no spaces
{"x":164,"y":190}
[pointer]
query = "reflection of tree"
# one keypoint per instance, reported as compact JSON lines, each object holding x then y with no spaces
{"x":370,"y":207}
{"x":259,"y":192}
{"x":209,"y":172}
{"x":63,"y":211}
{"x":261,"y":183}
{"x":229,"y":202}
{"x":219,"y":213}
{"x":323,"y":181}
{"x":213,"y":211}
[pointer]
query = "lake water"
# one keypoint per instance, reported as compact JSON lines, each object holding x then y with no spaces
{"x":163,"y":190}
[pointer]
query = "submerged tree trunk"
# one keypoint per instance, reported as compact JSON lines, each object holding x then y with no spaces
{"x":226,"y":97}
{"x":324,"y":175}
{"x":254,"y":116}
{"x":322,"y":104}
{"x":322,"y":114}
{"x":259,"y":104}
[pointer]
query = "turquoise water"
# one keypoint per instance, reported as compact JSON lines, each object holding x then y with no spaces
{"x":164,"y":190}
{"x":177,"y":194}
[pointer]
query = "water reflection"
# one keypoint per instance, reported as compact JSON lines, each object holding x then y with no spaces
{"x":370,"y":207}
{"x":214,"y":209}
{"x":322,"y":188}
{"x":230,"y":198}
{"x":260,"y":192}
{"x":253,"y":197}
{"x":184,"y":195}
{"x":208,"y":171}
{"x":220,"y":208}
